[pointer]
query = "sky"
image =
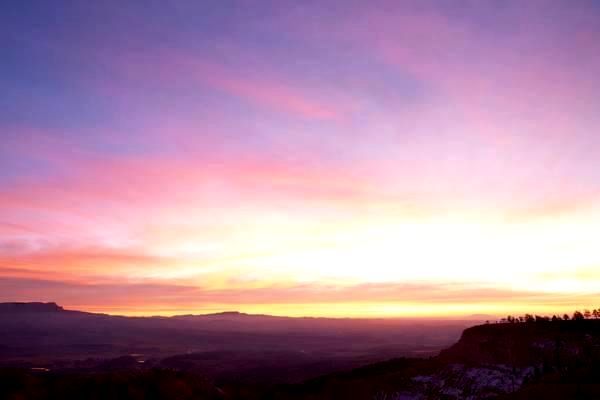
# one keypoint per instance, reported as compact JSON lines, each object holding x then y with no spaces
{"x":321,"y":158}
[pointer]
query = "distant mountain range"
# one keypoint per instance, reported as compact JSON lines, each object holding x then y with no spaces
{"x":45,"y":335}
{"x":29,"y":307}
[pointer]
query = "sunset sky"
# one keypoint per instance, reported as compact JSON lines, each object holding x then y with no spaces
{"x":323,"y":158}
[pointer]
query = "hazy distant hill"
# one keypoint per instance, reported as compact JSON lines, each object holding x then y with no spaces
{"x":222,"y":346}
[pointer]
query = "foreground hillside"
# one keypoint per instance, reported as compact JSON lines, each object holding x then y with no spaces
{"x":19,"y":384}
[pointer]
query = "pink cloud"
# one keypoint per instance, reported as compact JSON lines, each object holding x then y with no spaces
{"x":266,"y":93}
{"x":266,"y":87}
{"x":93,"y":184}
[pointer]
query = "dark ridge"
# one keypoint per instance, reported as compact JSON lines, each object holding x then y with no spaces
{"x":226,"y":314}
{"x":35,"y":307}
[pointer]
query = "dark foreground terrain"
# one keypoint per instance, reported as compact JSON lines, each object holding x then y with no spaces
{"x":49,"y":353}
